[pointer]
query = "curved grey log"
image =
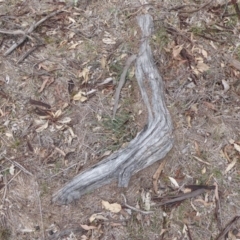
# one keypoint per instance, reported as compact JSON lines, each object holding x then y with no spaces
{"x":149,"y":146}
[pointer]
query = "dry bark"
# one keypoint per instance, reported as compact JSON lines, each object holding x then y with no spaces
{"x":150,"y":145}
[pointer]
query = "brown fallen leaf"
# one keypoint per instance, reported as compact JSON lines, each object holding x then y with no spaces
{"x":225,"y":152}
{"x":87,"y":228}
{"x":97,"y":216}
{"x":231,"y":165}
{"x":210,"y":106}
{"x":198,"y":153}
{"x":176,"y":50}
{"x":114,"y":207}
{"x":44,"y":126}
{"x":46,"y":79}
{"x":79,"y":97}
{"x":233,"y":62}
{"x":157,"y":175}
{"x":237,"y":147}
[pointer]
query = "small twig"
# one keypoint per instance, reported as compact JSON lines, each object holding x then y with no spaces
{"x":210,"y":38}
{"x":5,"y":189}
{"x":121,"y":82}
{"x":200,"y":160}
{"x":25,"y":55}
{"x":65,"y":233}
{"x":182,"y":197}
{"x":12,"y":32}
{"x":234,"y":2}
{"x":189,"y":233}
{"x":64,"y":170}
{"x":198,"y":9}
{"x":218,"y":208}
{"x":40,"y":209}
{"x":181,"y":7}
{"x":227,"y":228}
{"x":232,"y":62}
{"x":133,"y":208}
{"x":19,"y":166}
{"x":30,"y":30}
{"x":22,"y":168}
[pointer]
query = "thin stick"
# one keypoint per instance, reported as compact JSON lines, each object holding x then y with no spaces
{"x":40,"y":209}
{"x":25,"y":55}
{"x":133,"y":208}
{"x":228,"y":228}
{"x":12,"y":32}
{"x":200,"y":160}
{"x":5,"y":190}
{"x":121,"y":82}
{"x":182,"y":197}
{"x":198,"y":9}
{"x":218,"y":208}
{"x":19,"y":166}
{"x":30,"y":30}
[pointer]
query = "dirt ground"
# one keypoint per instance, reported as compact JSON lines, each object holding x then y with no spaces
{"x":56,"y":102}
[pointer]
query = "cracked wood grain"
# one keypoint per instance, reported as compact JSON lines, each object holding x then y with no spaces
{"x":150,"y":145}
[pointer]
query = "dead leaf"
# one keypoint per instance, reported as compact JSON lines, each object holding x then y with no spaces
{"x":210,"y":106}
{"x":114,"y":207}
{"x":87,"y":228}
{"x":147,"y":202}
{"x":206,"y":204}
{"x":237,"y":147}
{"x":74,"y":45}
{"x":157,"y":174}
{"x":71,"y":35}
{"x":226,"y":86}
{"x":79,"y":97}
{"x":231,"y":165}
{"x":71,"y":20}
{"x":174,"y":182}
{"x":97,"y":216}
{"x":103,"y":62}
{"x":204,"y":53}
{"x":107,"y":153}
{"x":43,"y":85}
{"x":189,"y":121}
{"x":198,"y":153}
{"x":71,"y":132}
{"x":109,"y":41}
{"x":85,"y":74}
{"x":9,"y":134}
{"x":176,"y":50}
{"x":43,"y":66}
{"x":213,"y":45}
{"x":65,"y":120}
{"x":202,"y":67}
{"x":43,"y":127}
{"x":57,"y":114}
{"x":12,"y":169}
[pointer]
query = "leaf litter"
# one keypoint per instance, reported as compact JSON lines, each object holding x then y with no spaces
{"x":79,"y":74}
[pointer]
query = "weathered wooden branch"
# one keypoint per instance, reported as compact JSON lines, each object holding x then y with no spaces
{"x":149,"y":146}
